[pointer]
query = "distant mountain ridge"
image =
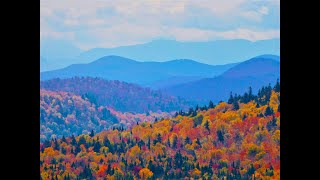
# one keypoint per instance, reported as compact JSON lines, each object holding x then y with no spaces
{"x":210,"y":52}
{"x":61,"y":53}
{"x":256,"y":67}
{"x":256,"y":72}
{"x":143,"y":73}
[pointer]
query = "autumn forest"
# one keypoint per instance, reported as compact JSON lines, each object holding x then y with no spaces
{"x":84,"y":138}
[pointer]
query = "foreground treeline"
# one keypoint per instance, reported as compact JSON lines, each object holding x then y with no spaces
{"x":238,"y":139}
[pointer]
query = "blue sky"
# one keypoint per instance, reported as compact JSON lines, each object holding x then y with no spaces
{"x":104,"y":23}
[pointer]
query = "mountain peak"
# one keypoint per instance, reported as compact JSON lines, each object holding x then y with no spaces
{"x":269,"y":56}
{"x":183,"y":61}
{"x":257,"y":66}
{"x":113,"y":59}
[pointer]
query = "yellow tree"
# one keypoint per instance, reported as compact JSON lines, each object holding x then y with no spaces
{"x":274,"y":101}
{"x":145,"y":173}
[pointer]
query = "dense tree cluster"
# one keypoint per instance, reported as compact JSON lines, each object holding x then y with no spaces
{"x":64,"y":114}
{"x":122,"y":96}
{"x":220,"y":142}
{"x":262,"y":98}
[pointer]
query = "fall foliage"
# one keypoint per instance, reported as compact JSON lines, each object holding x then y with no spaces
{"x":238,"y":139}
{"x":64,"y":114}
{"x":122,"y":96}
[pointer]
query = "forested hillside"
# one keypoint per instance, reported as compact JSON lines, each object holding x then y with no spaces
{"x":238,"y":139}
{"x":122,"y":96}
{"x":64,"y":114}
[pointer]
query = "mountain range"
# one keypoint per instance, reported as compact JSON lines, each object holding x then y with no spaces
{"x":187,"y":79}
{"x":256,"y":72}
{"x":61,"y":54}
{"x":142,"y":73}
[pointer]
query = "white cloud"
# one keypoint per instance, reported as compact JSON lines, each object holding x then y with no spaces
{"x":205,"y":35}
{"x":256,"y":15}
{"x":57,"y":35}
{"x":109,"y":23}
{"x":251,"y":35}
{"x":47,"y":32}
{"x":118,"y":35}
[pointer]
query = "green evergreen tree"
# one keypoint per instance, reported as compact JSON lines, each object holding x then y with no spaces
{"x":168,"y":142}
{"x":269,"y":111}
{"x":211,"y":105}
{"x":91,"y":134}
{"x":149,"y":143}
{"x":96,"y":147}
{"x":174,"y":142}
{"x":257,"y":105}
{"x":231,"y":99}
{"x":82,"y":140}
{"x":63,"y":139}
{"x":187,"y":140}
{"x":206,"y":125}
{"x":276,"y":88}
{"x":235,"y":105}
{"x":220,"y":134}
{"x":250,"y":95}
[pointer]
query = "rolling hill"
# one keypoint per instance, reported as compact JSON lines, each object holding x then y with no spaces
{"x":143,"y":73}
{"x":64,"y":114}
{"x":122,"y":96}
{"x":256,"y":72}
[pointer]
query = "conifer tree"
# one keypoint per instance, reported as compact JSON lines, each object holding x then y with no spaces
{"x":91,"y":134}
{"x":276,"y":88}
{"x":211,"y":105}
{"x":235,"y":105}
{"x":206,"y":125}
{"x":269,"y":111}
{"x":230,"y":100}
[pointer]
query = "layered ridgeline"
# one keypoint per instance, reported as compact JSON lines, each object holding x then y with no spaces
{"x":64,"y":114}
{"x":61,"y":53}
{"x":122,"y":96}
{"x":143,"y":73}
{"x":240,"y":140}
{"x":256,"y":72}
{"x":211,"y":52}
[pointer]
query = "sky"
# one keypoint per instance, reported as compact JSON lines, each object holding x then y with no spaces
{"x":90,"y":24}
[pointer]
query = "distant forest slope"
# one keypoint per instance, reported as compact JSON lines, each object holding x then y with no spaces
{"x":122,"y":96}
{"x":64,"y":114}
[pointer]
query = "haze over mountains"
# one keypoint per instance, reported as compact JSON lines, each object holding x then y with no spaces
{"x":57,"y":54}
{"x":143,"y":73}
{"x":195,"y":71}
{"x":211,"y":52}
{"x":256,"y":72}
{"x":187,"y":79}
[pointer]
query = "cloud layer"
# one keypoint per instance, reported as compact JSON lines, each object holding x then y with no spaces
{"x":106,"y":23}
